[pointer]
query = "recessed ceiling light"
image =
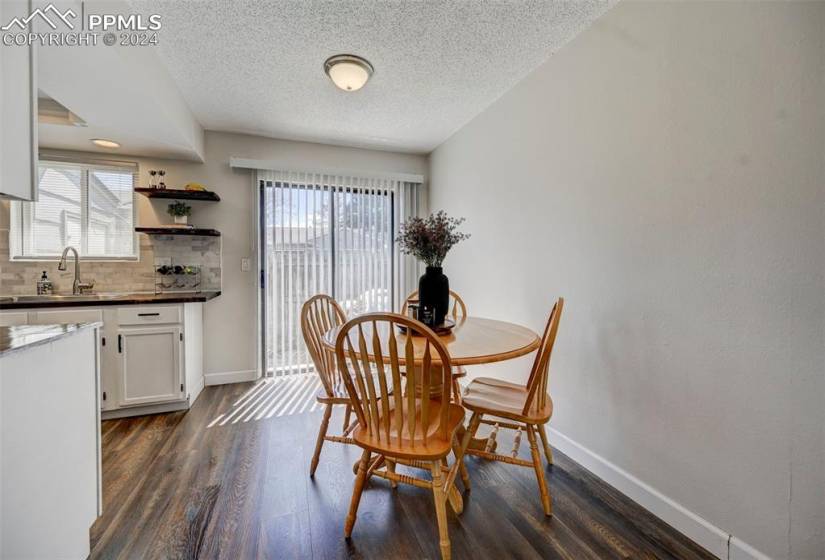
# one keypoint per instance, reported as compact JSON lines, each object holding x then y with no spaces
{"x":103,"y":143}
{"x":348,"y":72}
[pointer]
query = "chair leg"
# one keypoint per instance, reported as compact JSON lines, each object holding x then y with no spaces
{"x":472,"y":428}
{"x":456,"y":502}
{"x":347,"y":415}
{"x":539,"y":468}
{"x":440,"y":499}
{"x":547,"y":451}
{"x":469,"y":436}
{"x":360,"y":480}
{"x":322,"y":432}
{"x":462,"y":468}
{"x":456,"y":391}
{"x":453,"y":496}
{"x":391,"y":468}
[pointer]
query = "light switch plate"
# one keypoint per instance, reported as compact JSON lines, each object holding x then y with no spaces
{"x":245,"y":264}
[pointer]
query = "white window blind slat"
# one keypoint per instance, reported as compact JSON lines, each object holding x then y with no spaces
{"x":328,"y":234}
{"x":88,"y":206}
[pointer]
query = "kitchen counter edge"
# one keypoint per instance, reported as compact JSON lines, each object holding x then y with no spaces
{"x":22,"y":337}
{"x":125,"y":299}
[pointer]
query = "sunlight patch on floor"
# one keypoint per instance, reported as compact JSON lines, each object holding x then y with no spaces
{"x":273,"y":397}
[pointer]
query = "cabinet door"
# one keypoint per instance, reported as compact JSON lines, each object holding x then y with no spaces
{"x":150,"y":365}
{"x":12,"y":318}
{"x":18,"y":111}
{"x":84,"y":315}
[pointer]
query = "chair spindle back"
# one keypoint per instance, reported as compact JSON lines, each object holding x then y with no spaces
{"x":319,"y":314}
{"x":537,"y":383}
{"x":384,"y":402}
{"x":457,"y":310}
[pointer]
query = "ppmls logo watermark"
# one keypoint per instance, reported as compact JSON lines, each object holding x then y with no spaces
{"x":51,"y":26}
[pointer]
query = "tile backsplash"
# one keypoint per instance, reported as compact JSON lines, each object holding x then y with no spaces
{"x":20,"y":277}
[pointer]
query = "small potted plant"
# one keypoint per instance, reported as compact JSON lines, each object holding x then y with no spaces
{"x":180,"y":211}
{"x":429,"y":239}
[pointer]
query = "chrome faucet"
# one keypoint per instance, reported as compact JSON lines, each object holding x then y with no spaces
{"x":77,"y":285}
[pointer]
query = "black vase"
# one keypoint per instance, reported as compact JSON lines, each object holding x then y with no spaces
{"x":434,"y":294}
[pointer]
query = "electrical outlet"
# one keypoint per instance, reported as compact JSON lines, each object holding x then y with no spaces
{"x":245,"y":264}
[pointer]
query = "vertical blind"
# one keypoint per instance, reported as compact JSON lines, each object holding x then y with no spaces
{"x":328,"y":234}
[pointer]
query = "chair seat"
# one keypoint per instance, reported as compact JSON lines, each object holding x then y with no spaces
{"x":339,"y":394}
{"x":502,"y":398}
{"x":436,"y":446}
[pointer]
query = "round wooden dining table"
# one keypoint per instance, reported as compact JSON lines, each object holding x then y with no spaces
{"x":472,"y":341}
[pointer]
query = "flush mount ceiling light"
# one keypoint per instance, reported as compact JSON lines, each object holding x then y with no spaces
{"x":103,"y":143}
{"x":348,"y":72}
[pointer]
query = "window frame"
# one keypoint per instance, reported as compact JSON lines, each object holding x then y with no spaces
{"x":18,"y":215}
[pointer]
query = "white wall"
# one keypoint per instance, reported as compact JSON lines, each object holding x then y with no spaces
{"x":230,"y":324}
{"x":230,"y":327}
{"x":123,"y":93}
{"x":665,"y":172}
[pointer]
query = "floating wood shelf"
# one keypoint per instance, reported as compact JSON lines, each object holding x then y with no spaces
{"x":178,"y":231}
{"x":179,"y":194}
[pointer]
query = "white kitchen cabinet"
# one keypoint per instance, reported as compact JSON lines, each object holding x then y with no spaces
{"x":78,"y":315}
{"x":12,"y":318}
{"x":56,"y":316}
{"x":151,"y":356}
{"x":150,"y":364}
{"x":50,"y":448}
{"x":18,"y":111}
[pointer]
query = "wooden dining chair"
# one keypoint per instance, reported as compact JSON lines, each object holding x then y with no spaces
{"x":319,"y":314}
{"x":524,"y":408}
{"x":457,"y":310}
{"x":395,"y":422}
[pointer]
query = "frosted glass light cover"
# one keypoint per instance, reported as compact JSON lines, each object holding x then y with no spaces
{"x":348,"y":76}
{"x":348,"y":72}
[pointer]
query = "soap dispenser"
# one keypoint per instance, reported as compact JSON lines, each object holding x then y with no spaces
{"x":44,"y":285}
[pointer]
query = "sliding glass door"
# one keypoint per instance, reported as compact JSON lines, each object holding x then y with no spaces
{"x":322,"y":236}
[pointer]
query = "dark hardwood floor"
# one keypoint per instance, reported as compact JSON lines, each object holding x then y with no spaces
{"x":229,"y":479}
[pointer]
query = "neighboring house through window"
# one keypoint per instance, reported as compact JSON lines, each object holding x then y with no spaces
{"x":88,"y":205}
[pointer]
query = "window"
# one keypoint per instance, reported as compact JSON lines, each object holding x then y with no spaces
{"x":333,"y":235}
{"x":89,"y":206}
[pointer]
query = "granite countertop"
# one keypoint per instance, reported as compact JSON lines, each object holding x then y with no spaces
{"x":96,"y":300}
{"x":13,"y":339}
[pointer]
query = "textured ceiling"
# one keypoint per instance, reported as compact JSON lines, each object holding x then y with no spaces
{"x":256,"y":66}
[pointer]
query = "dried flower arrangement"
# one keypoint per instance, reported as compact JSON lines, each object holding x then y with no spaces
{"x":429,"y":239}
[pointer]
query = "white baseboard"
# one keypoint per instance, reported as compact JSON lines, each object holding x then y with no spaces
{"x":743,"y":551}
{"x":702,"y":532}
{"x":194,"y":392}
{"x":222,"y":378}
{"x":143,"y":410}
